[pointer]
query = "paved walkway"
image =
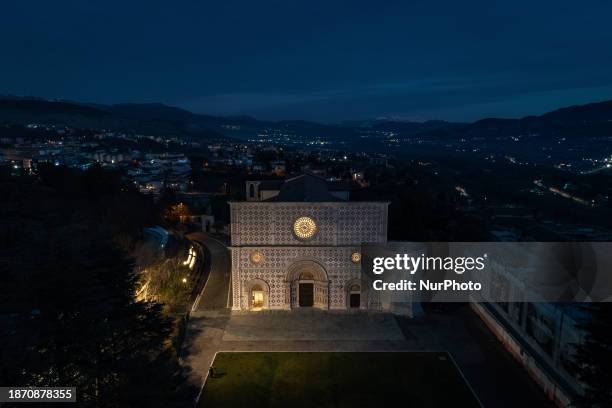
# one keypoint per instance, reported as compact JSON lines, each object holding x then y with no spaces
{"x":497,"y":379}
{"x":312,"y":325}
{"x":216,"y":293}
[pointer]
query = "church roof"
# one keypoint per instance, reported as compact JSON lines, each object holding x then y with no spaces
{"x":271,"y":184}
{"x":305,"y":188}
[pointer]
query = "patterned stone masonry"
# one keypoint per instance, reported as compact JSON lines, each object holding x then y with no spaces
{"x":347,"y":223}
{"x":264,"y":246}
{"x":273,"y":270}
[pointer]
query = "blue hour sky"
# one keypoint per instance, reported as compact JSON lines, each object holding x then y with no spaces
{"x":329,"y":61}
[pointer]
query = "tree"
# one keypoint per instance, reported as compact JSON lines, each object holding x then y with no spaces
{"x":68,"y":308}
{"x":593,"y":357}
{"x":167,"y":283}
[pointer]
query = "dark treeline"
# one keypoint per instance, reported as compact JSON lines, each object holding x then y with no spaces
{"x":68,"y":316}
{"x":594,"y":356}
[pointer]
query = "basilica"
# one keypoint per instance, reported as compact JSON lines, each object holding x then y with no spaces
{"x":297,"y":244}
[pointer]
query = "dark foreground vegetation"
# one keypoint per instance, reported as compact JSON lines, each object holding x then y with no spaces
{"x":67,"y":293}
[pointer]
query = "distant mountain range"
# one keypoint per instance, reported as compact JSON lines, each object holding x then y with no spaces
{"x":594,"y":120}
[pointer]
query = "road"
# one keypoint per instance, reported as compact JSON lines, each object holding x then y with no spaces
{"x":212,"y":308}
{"x":216,"y":292}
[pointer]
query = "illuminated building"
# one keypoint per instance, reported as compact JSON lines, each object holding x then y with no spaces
{"x":300,"y":247}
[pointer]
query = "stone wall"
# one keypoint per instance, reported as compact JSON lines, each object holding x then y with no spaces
{"x":338,"y":224}
{"x":274,"y":266}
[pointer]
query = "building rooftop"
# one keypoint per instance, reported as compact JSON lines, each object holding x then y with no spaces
{"x":271,"y":184}
{"x":305,"y":188}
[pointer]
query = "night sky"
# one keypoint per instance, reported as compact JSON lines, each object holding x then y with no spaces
{"x":329,"y":61}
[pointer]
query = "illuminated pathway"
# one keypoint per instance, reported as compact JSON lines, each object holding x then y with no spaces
{"x":207,"y":322}
{"x":215,"y":294}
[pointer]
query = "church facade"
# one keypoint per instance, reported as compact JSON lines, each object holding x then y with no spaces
{"x":299,"y":247}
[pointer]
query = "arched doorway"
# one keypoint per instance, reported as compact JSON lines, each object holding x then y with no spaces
{"x":257,"y":297}
{"x":356,"y":294}
{"x":307,"y":285}
{"x":306,"y":290}
{"x":257,"y":293}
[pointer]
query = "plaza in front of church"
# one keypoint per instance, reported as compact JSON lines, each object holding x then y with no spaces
{"x":289,"y":281}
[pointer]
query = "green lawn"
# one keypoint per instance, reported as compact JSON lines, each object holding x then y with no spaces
{"x":291,"y":380}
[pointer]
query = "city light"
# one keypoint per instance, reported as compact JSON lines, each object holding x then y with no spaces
{"x":191,"y":258}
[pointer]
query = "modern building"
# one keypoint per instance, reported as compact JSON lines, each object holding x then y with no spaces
{"x":539,"y":335}
{"x":299,"y":246}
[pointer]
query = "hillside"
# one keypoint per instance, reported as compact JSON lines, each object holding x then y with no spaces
{"x":592,"y":120}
